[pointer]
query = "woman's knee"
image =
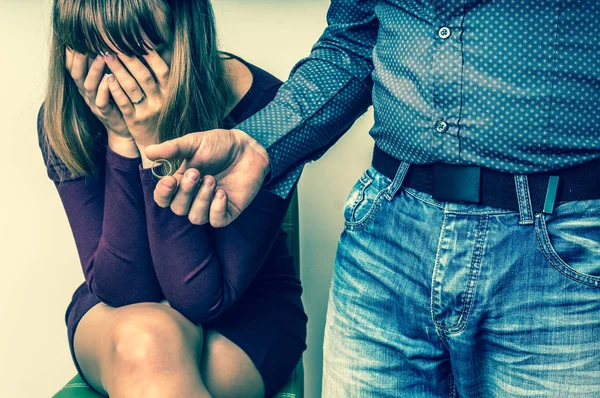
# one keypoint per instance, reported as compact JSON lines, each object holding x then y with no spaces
{"x":150,"y":335}
{"x":226,"y":369}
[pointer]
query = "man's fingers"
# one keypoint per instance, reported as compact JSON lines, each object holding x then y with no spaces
{"x":182,"y":168}
{"x":165,"y":190}
{"x":167,"y":187}
{"x":188,"y":186}
{"x":218,"y":210}
{"x":178,"y":148}
{"x":199,"y":211}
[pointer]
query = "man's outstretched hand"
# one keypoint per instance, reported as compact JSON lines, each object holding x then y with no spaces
{"x":230,"y":167}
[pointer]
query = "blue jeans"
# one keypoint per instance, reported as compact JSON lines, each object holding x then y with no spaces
{"x":440,"y":299}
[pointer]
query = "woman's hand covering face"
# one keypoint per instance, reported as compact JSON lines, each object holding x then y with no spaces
{"x":130,"y":81}
{"x":92,"y":84}
{"x":139,"y":92}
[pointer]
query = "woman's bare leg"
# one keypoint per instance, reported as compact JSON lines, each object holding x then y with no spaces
{"x":151,"y":350}
{"x":140,"y":350}
{"x":227,"y":371}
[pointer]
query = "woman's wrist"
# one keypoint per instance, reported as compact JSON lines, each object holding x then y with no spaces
{"x":124,"y":146}
{"x":146,"y":163}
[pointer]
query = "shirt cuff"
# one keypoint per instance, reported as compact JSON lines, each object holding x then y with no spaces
{"x":121,"y":162}
{"x":283,"y":185}
{"x":268,"y":178}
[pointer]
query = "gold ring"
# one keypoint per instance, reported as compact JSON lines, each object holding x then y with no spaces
{"x":161,"y":161}
{"x":142,"y":98}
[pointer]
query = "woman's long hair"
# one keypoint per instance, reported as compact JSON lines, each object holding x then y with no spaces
{"x":198,"y":95}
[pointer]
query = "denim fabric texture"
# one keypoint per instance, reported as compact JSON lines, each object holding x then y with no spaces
{"x":442,"y":299}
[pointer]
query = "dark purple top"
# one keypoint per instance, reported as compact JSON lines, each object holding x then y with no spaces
{"x":132,"y":250}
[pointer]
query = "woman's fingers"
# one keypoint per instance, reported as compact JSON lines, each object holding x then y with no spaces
{"x":119,"y":96}
{"x":103,"y":97}
{"x":94,"y":76}
{"x":126,"y":81}
{"x":79,"y":70}
{"x":159,"y":67}
{"x":141,"y":74}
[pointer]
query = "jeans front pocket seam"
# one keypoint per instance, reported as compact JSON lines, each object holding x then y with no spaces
{"x":365,"y":180}
{"x":556,"y":261}
{"x":366,"y":219}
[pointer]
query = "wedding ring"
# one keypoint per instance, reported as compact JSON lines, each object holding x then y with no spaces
{"x":142,"y":98}
{"x":159,"y":162}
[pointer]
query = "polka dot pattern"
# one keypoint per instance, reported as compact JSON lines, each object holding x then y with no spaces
{"x":513,"y":85}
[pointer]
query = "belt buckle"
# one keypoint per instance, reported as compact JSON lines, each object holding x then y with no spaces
{"x":456,"y":183}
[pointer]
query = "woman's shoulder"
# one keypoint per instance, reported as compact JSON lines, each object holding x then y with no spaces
{"x":51,"y":160}
{"x":261,"y":91}
{"x":57,"y":170}
{"x":262,"y":79}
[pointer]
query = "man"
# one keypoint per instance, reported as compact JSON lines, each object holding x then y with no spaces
{"x":470,"y":260}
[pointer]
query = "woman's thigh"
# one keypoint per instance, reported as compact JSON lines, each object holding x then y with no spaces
{"x":106,"y":334}
{"x":92,"y":343}
{"x":227,"y":371}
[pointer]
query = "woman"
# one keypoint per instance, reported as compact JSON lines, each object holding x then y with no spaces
{"x":168,"y":308}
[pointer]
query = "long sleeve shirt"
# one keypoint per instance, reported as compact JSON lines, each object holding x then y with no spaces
{"x":131,"y":250}
{"x":512,"y":85}
{"x":204,"y":270}
{"x":106,"y":217}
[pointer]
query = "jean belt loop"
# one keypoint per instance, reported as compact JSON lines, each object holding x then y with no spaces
{"x":524,"y":199}
{"x":398,"y":180}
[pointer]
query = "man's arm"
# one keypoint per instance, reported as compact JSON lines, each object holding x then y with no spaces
{"x":326,"y":92}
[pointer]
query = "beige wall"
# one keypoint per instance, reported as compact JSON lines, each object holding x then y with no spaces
{"x":39,"y":267}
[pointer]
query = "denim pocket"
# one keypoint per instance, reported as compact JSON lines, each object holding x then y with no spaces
{"x":362,"y":201}
{"x":570,"y":240}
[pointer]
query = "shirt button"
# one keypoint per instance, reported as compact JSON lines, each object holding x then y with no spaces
{"x":444,"y":32}
{"x":441,"y":126}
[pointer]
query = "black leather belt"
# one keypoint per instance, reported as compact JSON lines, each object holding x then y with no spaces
{"x":489,"y":187}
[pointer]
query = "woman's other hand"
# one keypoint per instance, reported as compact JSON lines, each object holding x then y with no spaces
{"x":138,"y":95}
{"x":92,"y":84}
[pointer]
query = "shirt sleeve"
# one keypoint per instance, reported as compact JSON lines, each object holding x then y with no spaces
{"x":203,"y":270}
{"x":107,"y":219}
{"x":324,"y":95}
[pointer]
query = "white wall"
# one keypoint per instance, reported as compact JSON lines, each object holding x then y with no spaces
{"x":39,"y":267}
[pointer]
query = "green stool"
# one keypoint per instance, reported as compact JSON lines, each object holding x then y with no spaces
{"x":294,"y":387}
{"x":77,"y":388}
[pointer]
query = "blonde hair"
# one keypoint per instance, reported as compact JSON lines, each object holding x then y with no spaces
{"x":198,"y":94}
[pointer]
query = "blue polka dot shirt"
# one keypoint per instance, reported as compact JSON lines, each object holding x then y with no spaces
{"x":513,"y":85}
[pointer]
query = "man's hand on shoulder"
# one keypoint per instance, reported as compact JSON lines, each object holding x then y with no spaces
{"x":229,"y":166}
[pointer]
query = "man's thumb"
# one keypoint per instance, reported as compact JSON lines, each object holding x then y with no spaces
{"x":177,"y":148}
